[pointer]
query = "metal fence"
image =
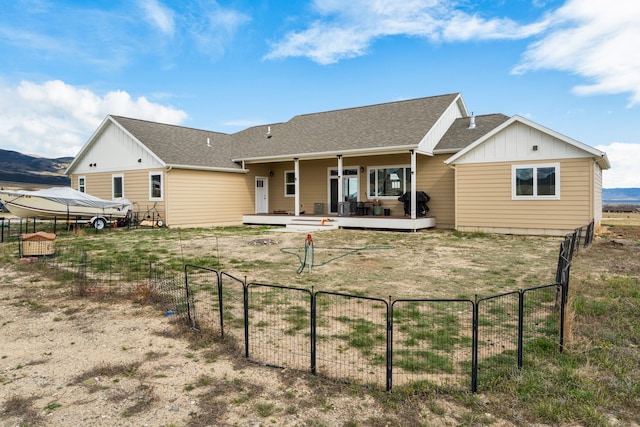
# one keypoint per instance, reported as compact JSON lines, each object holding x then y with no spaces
{"x":457,"y":344}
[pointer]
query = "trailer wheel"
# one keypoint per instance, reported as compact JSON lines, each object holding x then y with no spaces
{"x":99,"y":223}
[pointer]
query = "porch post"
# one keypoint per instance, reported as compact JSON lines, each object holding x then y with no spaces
{"x":413,"y":184}
{"x":296,"y":180}
{"x":340,"y":182}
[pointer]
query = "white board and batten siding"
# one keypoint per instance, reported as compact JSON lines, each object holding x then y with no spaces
{"x":520,"y":142}
{"x":455,"y":111}
{"x":115,"y":150}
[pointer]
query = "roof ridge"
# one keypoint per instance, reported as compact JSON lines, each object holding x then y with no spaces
{"x":374,"y":105}
{"x":166,"y":124}
{"x":485,"y":115}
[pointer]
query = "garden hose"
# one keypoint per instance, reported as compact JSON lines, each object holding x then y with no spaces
{"x":308,"y":259}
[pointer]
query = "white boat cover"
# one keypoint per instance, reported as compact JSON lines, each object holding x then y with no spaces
{"x":70,"y":197}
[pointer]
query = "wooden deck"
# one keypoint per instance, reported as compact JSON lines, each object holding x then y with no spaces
{"x":308,"y":222}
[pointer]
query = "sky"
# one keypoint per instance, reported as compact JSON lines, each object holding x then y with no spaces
{"x":569,"y":65}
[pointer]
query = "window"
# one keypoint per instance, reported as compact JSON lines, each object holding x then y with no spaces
{"x":117,"y":187}
{"x":389,"y":181}
{"x":536,"y":181}
{"x":155,"y":186}
{"x":289,"y":183}
{"x":82,"y":187}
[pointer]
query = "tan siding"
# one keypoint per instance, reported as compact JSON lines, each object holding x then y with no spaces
{"x":437,"y":180}
{"x":484,"y":200}
{"x":597,"y":193}
{"x":136,"y":189}
{"x":202,"y":198}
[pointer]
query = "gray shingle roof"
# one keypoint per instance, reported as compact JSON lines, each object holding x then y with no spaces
{"x":381,"y":126}
{"x":386,"y":125}
{"x":459,"y":136}
{"x":177,"y":145}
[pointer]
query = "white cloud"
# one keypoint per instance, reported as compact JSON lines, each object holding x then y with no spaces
{"x":55,"y":119}
{"x":158,"y":15}
{"x":597,"y":40}
{"x":624,"y":158}
{"x":347,"y":29}
{"x":213,"y":27}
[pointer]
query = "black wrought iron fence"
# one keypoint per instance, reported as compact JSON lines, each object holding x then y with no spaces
{"x":457,"y":343}
{"x":352,"y":338}
{"x":445,"y":343}
{"x":432,"y":343}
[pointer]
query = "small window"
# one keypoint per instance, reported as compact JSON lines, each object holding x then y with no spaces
{"x":389,"y":181}
{"x":82,"y":187}
{"x":117,"y":186}
{"x":155,"y":186}
{"x":289,"y":183}
{"x":536,"y":181}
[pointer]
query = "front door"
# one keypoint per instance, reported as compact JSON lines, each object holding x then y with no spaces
{"x":349,"y":191}
{"x":262,"y":195}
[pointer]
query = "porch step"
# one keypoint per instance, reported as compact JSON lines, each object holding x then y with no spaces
{"x":312,"y":224}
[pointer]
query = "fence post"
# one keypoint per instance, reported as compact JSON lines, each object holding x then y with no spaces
{"x":313,"y":331}
{"x":520,"y":326}
{"x":389,"y":343}
{"x":474,"y":347}
{"x":245,"y":296}
{"x":220,"y":304}
{"x":188,"y":294}
{"x":564,"y":289}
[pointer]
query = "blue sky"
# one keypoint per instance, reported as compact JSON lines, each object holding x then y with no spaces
{"x":569,"y":65}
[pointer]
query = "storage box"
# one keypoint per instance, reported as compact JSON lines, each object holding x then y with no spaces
{"x":38,"y":244}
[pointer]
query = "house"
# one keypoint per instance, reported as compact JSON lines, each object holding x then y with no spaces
{"x":488,"y":173}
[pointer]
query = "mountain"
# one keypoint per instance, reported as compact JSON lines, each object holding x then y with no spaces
{"x":20,"y":170}
{"x":621,"y":195}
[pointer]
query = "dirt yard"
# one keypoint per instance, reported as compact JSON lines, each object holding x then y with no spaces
{"x":68,"y":361}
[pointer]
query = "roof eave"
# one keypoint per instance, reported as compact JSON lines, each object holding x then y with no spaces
{"x":206,"y":168}
{"x":329,"y":154}
{"x":601,"y":157}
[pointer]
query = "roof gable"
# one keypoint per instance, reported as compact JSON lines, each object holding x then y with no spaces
{"x":461,"y":134}
{"x":182,"y":146}
{"x":514,"y":140}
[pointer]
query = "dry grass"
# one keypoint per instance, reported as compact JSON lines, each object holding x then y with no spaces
{"x":593,"y":383}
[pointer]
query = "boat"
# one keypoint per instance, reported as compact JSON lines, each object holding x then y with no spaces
{"x":64,"y":203}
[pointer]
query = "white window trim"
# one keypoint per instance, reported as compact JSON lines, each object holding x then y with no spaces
{"x":535,"y":181}
{"x":156,"y":199}
{"x":83,"y":178}
{"x":291,"y":183}
{"x":371,"y":168}
{"x":113,"y":188}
